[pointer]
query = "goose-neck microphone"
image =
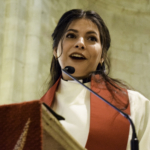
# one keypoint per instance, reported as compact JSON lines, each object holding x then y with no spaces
{"x":134,"y":141}
{"x":69,"y":69}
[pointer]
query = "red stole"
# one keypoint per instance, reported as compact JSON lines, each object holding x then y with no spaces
{"x":108,"y":129}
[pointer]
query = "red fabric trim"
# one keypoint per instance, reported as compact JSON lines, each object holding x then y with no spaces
{"x":49,"y":96}
{"x":108,"y":128}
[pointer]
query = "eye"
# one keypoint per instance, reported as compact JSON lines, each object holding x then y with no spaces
{"x":70,"y":35}
{"x":92,"y":38}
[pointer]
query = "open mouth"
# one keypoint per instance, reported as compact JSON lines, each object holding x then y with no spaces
{"x":77,"y":56}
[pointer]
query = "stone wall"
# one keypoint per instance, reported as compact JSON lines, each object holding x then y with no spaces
{"x":25,"y":46}
{"x":26,"y":51}
{"x":20,"y":50}
{"x":128,"y":22}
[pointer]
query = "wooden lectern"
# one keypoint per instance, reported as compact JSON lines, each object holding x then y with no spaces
{"x":31,"y":126}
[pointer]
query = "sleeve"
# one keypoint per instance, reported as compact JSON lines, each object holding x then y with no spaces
{"x":140,"y":115}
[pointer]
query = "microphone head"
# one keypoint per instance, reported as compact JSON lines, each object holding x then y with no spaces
{"x":70,"y":69}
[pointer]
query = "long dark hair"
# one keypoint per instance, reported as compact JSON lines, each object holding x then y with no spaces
{"x":62,"y":26}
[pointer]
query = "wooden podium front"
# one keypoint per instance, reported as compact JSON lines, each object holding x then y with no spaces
{"x":31,"y":126}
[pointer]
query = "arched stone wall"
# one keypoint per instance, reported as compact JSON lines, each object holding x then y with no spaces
{"x":25,"y":46}
{"x":25,"y":43}
{"x":128,"y":22}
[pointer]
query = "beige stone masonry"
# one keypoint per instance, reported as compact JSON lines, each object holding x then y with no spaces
{"x":26,"y":46}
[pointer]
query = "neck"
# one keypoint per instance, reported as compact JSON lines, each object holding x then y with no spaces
{"x":84,"y":79}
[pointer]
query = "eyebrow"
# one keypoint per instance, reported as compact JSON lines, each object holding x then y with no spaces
{"x":89,"y":32}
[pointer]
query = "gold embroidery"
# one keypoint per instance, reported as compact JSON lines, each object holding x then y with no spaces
{"x":22,"y":139}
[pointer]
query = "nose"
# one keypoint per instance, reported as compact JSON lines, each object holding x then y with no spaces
{"x":80,"y":44}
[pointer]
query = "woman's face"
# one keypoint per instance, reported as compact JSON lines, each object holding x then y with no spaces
{"x":81,"y":48}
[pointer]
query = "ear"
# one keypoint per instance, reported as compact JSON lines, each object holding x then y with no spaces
{"x":55,"y":52}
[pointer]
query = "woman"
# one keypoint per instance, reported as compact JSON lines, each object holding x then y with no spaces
{"x":81,"y":40}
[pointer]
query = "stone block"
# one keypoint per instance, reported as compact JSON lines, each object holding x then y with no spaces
{"x":146,"y":48}
{"x":121,"y":75}
{"x":17,"y":95}
{"x":144,"y":86}
{"x":26,"y":45}
{"x":135,"y":81}
{"x":137,"y":46}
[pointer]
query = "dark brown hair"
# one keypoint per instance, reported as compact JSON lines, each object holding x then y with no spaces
{"x":62,"y":26}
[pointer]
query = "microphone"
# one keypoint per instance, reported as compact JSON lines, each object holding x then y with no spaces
{"x":69,"y":69}
{"x":134,"y":141}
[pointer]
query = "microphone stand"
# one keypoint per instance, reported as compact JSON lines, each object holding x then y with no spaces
{"x":134,"y":141}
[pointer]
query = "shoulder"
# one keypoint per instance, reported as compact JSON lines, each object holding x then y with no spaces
{"x":136,"y":97}
{"x":140,"y":115}
{"x":140,"y":109}
{"x":139,"y":106}
{"x":138,"y":103}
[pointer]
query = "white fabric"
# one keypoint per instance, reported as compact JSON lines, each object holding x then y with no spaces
{"x":75,"y":108}
{"x":140,"y":115}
